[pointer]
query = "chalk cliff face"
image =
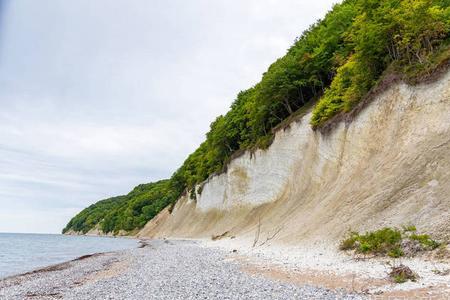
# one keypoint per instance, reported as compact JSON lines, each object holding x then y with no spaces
{"x":389,"y":166}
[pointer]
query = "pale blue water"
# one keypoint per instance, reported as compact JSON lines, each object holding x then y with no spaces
{"x":21,"y":253}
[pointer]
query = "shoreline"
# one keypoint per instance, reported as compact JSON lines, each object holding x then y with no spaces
{"x":157,"y":269}
{"x":24,"y":253}
{"x":141,"y":243}
{"x":53,"y":267}
{"x":295,"y":267}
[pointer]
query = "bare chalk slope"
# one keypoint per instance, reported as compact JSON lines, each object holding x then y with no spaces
{"x":389,"y":166}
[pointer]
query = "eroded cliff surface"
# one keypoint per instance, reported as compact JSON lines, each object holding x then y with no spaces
{"x":389,"y":166}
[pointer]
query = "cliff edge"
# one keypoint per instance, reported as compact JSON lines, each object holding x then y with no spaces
{"x":389,"y":166}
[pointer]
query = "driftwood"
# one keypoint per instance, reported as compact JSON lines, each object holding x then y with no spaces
{"x":276,"y":232}
{"x":258,"y":231}
{"x":268,"y":238}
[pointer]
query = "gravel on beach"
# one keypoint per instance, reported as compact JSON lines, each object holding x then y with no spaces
{"x":163,"y":269}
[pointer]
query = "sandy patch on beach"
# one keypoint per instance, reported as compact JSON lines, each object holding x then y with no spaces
{"x":111,"y":269}
{"x":324,"y":266}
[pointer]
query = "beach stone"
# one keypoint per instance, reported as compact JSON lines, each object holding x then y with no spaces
{"x":159,"y":270}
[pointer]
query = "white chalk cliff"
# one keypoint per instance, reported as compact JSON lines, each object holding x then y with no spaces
{"x":389,"y":166}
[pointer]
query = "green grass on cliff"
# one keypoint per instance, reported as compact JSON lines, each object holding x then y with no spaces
{"x":336,"y":62}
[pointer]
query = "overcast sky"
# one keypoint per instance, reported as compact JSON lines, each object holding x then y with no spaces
{"x":99,"y":96}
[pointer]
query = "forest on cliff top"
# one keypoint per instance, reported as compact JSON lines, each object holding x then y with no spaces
{"x":331,"y":66}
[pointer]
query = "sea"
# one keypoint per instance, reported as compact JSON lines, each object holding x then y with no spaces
{"x":23,"y":252}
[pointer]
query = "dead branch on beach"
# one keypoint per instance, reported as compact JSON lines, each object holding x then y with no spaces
{"x":258,"y":231}
{"x":268,"y":238}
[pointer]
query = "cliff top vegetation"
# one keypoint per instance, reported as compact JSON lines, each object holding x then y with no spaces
{"x":335,"y":63}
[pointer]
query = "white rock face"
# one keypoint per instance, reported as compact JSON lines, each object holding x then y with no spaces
{"x":261,"y":177}
{"x":389,"y":166}
{"x":257,"y":178}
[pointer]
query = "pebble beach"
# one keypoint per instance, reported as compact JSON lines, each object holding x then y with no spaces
{"x":158,"y":269}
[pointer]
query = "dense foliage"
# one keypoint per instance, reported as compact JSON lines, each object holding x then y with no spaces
{"x":93,"y":214}
{"x":125,"y":212}
{"x":335,"y":62}
{"x":404,"y":33}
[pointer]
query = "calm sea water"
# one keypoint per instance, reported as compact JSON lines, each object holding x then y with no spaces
{"x":21,"y":253}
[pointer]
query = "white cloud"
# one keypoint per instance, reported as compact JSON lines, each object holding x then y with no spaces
{"x":99,"y":96}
